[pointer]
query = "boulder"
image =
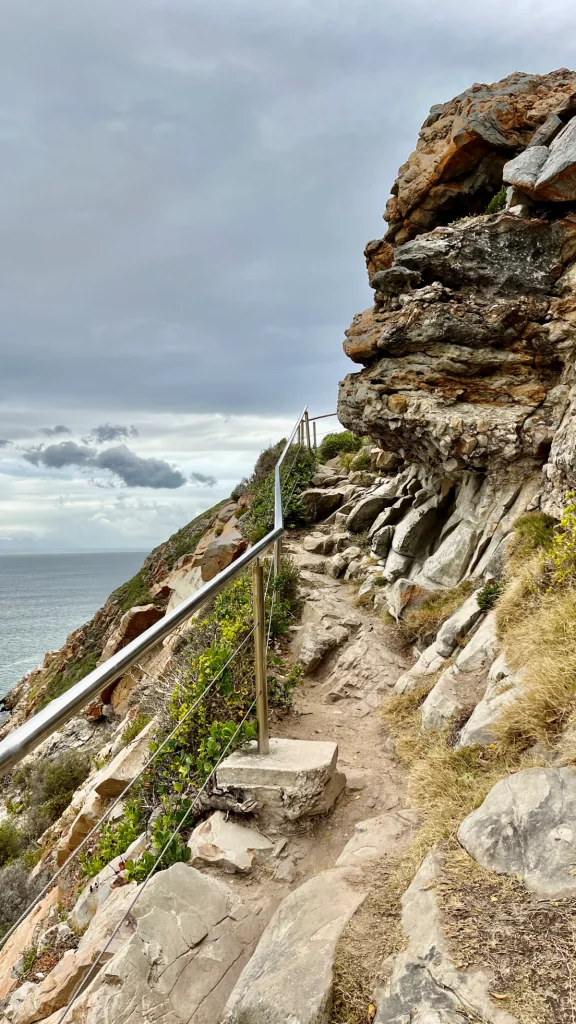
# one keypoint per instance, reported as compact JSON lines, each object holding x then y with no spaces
{"x":134,"y":622}
{"x":389,"y":833}
{"x":290,"y":976}
{"x":319,"y":504}
{"x":417,"y":530}
{"x":318,"y":543}
{"x":365,"y":511}
{"x":381,"y":541}
{"x":361,"y":478}
{"x":458,"y":625}
{"x":527,"y":826}
{"x":113,"y":778}
{"x":327,"y":622}
{"x":189,"y":940}
{"x":88,"y":816}
{"x":225,"y":844}
{"x":337,"y":565}
{"x":424,"y":986}
{"x":429,"y":663}
{"x":387,"y":462}
{"x":364,"y":671}
{"x":480,"y":729}
{"x":221,"y":552}
{"x":524,"y":170}
{"x":556,"y":181}
{"x":317,"y":642}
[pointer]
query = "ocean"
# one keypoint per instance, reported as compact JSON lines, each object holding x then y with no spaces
{"x":44,"y":597}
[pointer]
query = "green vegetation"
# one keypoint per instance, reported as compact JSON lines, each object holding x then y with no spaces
{"x":133,"y":728}
{"x":135,"y":591}
{"x":296,"y":474}
{"x":337,"y":444}
{"x":73,"y":673}
{"x":489,"y":594}
{"x":498,"y":201}
{"x":114,"y":839}
{"x":210,"y":725}
{"x":533,"y":533}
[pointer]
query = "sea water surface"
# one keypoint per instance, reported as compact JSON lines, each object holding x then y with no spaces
{"x":44,"y":597}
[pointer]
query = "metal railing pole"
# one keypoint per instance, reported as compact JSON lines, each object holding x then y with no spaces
{"x":260,"y":658}
{"x":277,"y":556}
{"x":315,"y":437}
{"x":307,"y":428}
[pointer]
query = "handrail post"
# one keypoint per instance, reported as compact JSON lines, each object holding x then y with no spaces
{"x":260,"y":657}
{"x":315,"y":437}
{"x":307,"y":427}
{"x":277,"y":556}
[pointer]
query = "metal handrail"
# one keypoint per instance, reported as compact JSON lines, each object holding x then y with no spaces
{"x":27,"y":737}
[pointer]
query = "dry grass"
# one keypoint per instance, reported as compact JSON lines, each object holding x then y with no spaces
{"x":527,"y":945}
{"x":420,"y":624}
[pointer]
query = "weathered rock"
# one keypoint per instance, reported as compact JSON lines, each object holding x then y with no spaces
{"x":481,"y":726}
{"x":458,"y":625}
{"x":59,"y":985}
{"x":389,"y":833}
{"x":381,"y":541}
{"x":364,"y":671}
{"x":326,"y":623}
{"x":134,"y":622}
{"x":417,"y":530}
{"x":463,"y":684}
{"x":317,"y":642}
{"x":387,"y":461}
{"x":361,"y":478}
{"x":527,"y":826}
{"x":289,"y":978}
{"x":318,"y":543}
{"x":320,"y":503}
{"x":221,"y":552}
{"x":97,"y":891}
{"x":524,"y":170}
{"x":21,"y":940}
{"x":88,"y":816}
{"x":113,"y":778}
{"x":364,"y":513}
{"x":463,"y":145}
{"x":227,"y":845}
{"x":424,"y":986}
{"x":190,"y":938}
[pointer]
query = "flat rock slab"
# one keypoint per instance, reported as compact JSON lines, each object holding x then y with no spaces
{"x":527,"y":826}
{"x":386,"y":834}
{"x":190,"y":938}
{"x":227,"y":845}
{"x":114,"y":778}
{"x":297,"y":779}
{"x":289,"y":978}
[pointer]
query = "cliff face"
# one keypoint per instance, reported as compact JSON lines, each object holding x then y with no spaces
{"x":468,"y":350}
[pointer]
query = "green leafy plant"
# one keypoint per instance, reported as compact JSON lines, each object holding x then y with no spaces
{"x":114,"y":838}
{"x":134,"y":728}
{"x":296,"y":474}
{"x":489,"y":594}
{"x":498,"y":201}
{"x":337,"y":444}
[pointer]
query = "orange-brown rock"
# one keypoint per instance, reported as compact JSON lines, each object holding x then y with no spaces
{"x":464,"y":144}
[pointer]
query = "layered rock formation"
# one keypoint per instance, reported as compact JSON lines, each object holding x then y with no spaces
{"x":468,"y":350}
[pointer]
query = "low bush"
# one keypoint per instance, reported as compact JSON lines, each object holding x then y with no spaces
{"x":18,"y":891}
{"x":114,"y":839}
{"x":132,"y":730}
{"x":296,"y":474}
{"x":11,"y":842}
{"x":489,"y":594}
{"x":498,"y":201}
{"x":338,"y":444}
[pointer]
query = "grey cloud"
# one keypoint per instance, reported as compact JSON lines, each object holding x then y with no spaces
{"x":138,"y":472}
{"x":4,"y":443}
{"x":55,"y":431}
{"x":111,"y":432}
{"x":204,"y":479}
{"x":132,"y":469}
{"x":57,"y":456}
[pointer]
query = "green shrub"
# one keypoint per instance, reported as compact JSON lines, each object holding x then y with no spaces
{"x":114,"y":838}
{"x":489,"y":594}
{"x":73,"y":673}
{"x":420,"y":625}
{"x":18,"y":891}
{"x":133,"y":728}
{"x":337,"y":444}
{"x":296,"y":474}
{"x":11,"y":842}
{"x":134,"y":592}
{"x":498,"y":201}
{"x":533,"y":532}
{"x":361,"y":461}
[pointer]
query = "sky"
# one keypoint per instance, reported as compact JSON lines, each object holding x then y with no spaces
{"x":186,"y":188}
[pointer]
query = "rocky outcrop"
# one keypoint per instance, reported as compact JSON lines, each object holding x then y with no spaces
{"x":227,"y":845}
{"x":463,"y":146}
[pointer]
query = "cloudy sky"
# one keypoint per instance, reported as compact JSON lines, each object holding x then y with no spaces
{"x":186,"y":190}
